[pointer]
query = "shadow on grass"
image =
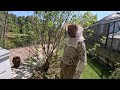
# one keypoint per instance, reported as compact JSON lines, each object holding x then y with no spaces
{"x":102,"y":70}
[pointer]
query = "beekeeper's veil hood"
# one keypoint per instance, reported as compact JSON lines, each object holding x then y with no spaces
{"x":79,"y":35}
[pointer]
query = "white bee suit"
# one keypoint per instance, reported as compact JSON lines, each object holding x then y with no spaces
{"x":74,"y":56}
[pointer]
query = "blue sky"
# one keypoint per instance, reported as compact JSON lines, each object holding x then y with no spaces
{"x":100,"y":14}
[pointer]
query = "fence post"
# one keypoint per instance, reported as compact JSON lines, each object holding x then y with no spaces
{"x":112,"y":36}
{"x":107,"y":36}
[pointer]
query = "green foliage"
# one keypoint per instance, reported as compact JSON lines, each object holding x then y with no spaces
{"x":16,"y":27}
{"x":9,"y":44}
{"x":113,"y":57}
{"x":26,"y":28}
{"x":86,"y":20}
{"x":49,"y":28}
{"x":103,"y":38}
{"x":115,"y":74}
{"x":29,"y":19}
{"x":48,"y":22}
{"x":12,"y":26}
{"x":93,"y":48}
{"x":49,"y":33}
{"x":3,"y":27}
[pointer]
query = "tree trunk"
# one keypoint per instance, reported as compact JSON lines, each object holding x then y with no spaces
{"x":5,"y":30}
{"x":46,"y":65}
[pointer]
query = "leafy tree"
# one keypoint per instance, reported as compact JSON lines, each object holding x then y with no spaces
{"x":88,"y":19}
{"x":21,"y":22}
{"x":14,"y":17}
{"x":28,"y":19}
{"x":49,"y":33}
{"x":3,"y":25}
{"x":85,"y":20}
{"x":12,"y":26}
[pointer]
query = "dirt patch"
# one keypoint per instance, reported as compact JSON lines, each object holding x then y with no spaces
{"x":24,"y":52}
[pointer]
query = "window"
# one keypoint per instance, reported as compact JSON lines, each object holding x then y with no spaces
{"x":117,"y":26}
{"x":111,"y":27}
{"x":102,"y":28}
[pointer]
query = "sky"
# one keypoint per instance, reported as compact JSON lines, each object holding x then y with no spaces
{"x":100,"y":14}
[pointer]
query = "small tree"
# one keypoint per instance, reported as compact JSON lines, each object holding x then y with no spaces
{"x":48,"y":32}
{"x":12,"y":26}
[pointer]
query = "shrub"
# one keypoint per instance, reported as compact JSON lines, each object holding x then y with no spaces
{"x":9,"y":44}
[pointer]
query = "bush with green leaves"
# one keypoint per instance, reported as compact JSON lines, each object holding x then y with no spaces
{"x":115,"y":74}
{"x":9,"y":44}
{"x":48,"y":31}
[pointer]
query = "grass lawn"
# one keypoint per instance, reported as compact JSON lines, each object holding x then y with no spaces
{"x":89,"y":73}
{"x":94,"y":70}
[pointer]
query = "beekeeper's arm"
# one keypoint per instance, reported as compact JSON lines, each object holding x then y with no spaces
{"x":82,"y":62}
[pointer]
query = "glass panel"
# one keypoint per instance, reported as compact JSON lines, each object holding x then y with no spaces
{"x":111,"y":27}
{"x":102,"y":27}
{"x":116,"y":27}
{"x":117,"y":30}
{"x":118,"y":24}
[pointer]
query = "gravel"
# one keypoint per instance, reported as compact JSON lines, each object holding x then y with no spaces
{"x":23,"y":72}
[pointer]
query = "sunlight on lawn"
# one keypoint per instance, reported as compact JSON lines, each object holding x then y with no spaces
{"x":89,"y":73}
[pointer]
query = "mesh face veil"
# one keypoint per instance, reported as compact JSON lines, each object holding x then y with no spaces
{"x":78,"y":38}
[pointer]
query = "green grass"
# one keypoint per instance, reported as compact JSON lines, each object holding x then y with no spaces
{"x":89,"y":73}
{"x":94,"y":70}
